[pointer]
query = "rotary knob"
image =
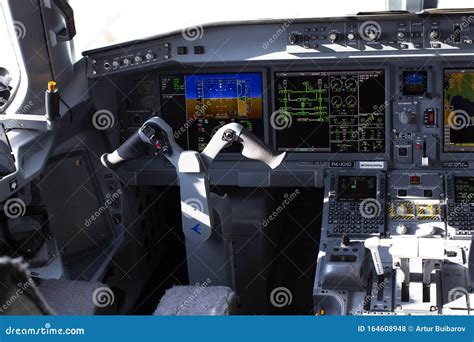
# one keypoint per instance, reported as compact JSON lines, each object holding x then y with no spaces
{"x":126,"y":61}
{"x":333,"y":37}
{"x":294,"y":38}
{"x":149,"y":56}
{"x":138,"y":59}
{"x":434,"y":34}
{"x":401,"y":35}
{"x":405,"y":117}
{"x":351,"y":36}
{"x":401,"y":229}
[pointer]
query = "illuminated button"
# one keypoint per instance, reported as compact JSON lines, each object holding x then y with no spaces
{"x":402,"y":193}
{"x":415,"y":180}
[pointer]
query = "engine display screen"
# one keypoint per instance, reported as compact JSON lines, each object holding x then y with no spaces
{"x":415,"y":83}
{"x":458,"y":110}
{"x":356,"y":188}
{"x":335,"y":111}
{"x":464,"y":189}
{"x":197,"y":105}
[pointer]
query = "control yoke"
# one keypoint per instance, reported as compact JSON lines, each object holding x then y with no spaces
{"x":192,"y":166}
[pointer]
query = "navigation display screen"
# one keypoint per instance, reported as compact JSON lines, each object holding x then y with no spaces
{"x":356,"y":188}
{"x":198,"y":105}
{"x":336,"y":111}
{"x":458,"y":110}
{"x":464,"y":189}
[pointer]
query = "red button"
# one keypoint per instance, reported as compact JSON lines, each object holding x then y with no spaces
{"x":415,"y":180}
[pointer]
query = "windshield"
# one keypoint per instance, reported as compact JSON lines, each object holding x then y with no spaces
{"x":105,"y":22}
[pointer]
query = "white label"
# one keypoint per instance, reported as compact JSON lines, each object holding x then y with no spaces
{"x":371,"y":165}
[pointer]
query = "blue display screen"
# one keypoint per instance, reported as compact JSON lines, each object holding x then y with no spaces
{"x":218,"y":86}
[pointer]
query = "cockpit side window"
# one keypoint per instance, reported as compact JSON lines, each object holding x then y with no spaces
{"x":10,"y":74}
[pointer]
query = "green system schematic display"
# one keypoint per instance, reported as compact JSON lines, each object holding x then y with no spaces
{"x":337,"y":111}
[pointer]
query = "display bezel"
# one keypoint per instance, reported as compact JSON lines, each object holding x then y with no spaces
{"x":465,"y":150}
{"x":296,"y":155}
{"x":233,"y":70}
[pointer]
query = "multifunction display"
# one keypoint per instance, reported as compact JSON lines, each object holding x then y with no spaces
{"x":458,"y":110}
{"x":333,"y":111}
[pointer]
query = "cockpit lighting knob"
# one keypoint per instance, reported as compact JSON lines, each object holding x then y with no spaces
{"x":333,"y":37}
{"x":401,"y":229}
{"x":351,"y":36}
{"x":294,"y":38}
{"x":401,"y":35}
{"x":434,"y":34}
